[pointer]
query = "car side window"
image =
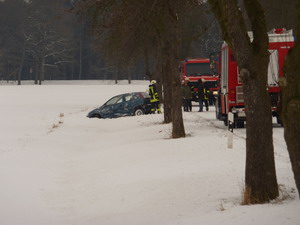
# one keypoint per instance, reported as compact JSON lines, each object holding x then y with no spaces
{"x":114,"y":100}
{"x":128,"y":97}
{"x":135,"y":96}
{"x":120,"y":100}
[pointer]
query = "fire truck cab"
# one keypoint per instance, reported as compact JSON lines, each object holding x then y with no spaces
{"x":196,"y":69}
{"x":231,"y":97}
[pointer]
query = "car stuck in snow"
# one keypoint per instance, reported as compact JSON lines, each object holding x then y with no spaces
{"x":129,"y":104}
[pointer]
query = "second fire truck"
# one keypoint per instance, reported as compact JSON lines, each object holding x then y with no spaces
{"x":196,"y":69}
{"x":231,"y":97}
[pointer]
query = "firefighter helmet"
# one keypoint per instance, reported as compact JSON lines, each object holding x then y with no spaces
{"x":153,"y":81}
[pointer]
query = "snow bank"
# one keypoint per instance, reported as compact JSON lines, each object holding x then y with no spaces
{"x":59,"y":167}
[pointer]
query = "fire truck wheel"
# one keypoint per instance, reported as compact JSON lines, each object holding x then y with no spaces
{"x":240,"y":124}
{"x":218,"y":114}
{"x":218,"y":109}
{"x":225,"y":122}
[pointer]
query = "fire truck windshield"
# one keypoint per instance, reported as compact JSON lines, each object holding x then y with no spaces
{"x":198,"y":69}
{"x":210,"y":84}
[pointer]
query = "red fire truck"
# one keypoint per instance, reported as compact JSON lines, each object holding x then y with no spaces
{"x":231,"y":98}
{"x":196,"y":69}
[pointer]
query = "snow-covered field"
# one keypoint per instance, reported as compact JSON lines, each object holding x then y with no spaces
{"x":57,"y":167}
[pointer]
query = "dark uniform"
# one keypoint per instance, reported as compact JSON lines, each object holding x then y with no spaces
{"x":206,"y":94}
{"x":194,"y":97}
{"x":154,"y":99}
{"x":202,"y":96}
{"x":186,"y":93}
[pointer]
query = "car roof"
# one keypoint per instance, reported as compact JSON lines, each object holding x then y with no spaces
{"x":135,"y":92}
{"x":130,"y":93}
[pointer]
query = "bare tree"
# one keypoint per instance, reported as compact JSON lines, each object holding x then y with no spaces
{"x":279,"y":15}
{"x":48,"y":44}
{"x":12,"y":41}
{"x":291,"y":102}
{"x":252,"y":58}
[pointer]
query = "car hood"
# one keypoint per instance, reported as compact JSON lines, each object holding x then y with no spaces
{"x":97,"y":110}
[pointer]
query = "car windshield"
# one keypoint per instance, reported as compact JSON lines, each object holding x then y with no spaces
{"x":197,"y":69}
{"x":115,"y":100}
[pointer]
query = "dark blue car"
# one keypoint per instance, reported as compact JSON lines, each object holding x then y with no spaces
{"x":129,"y":104}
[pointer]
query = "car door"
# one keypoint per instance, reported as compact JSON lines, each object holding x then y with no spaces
{"x":127,"y":104}
{"x":118,"y":107}
{"x":112,"y":107}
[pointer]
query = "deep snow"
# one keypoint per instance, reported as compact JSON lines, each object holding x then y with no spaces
{"x":57,"y":167}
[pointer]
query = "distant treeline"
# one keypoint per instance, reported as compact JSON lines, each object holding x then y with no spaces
{"x":44,"y":40}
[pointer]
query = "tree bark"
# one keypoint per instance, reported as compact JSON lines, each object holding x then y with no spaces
{"x":178,"y":130}
{"x":146,"y":62}
{"x":252,"y":58}
{"x":161,"y":68}
{"x":171,"y":55}
{"x":167,"y":88}
{"x":260,"y":176}
{"x":291,"y":104}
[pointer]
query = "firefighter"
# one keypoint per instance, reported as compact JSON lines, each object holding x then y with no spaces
{"x":206,"y":93}
{"x":154,"y":99}
{"x":194,"y":96}
{"x":202,"y":96}
{"x":186,"y":93}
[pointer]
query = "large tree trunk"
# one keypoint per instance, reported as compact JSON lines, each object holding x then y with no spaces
{"x":260,"y":176}
{"x":291,"y":104}
{"x":176,"y":114}
{"x":164,"y":85}
{"x":171,"y":55}
{"x":252,"y":58}
{"x":167,"y":88}
{"x":146,"y":62}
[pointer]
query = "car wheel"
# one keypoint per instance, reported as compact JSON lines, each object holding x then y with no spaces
{"x":138,"y":112}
